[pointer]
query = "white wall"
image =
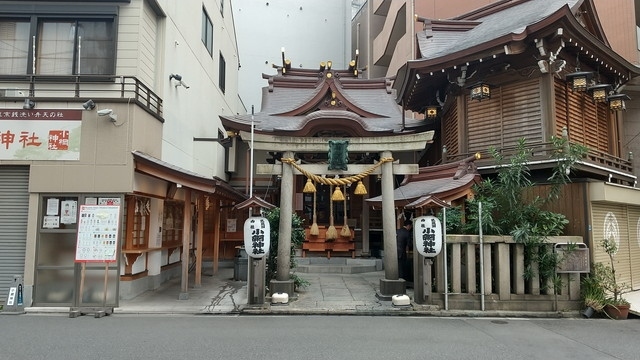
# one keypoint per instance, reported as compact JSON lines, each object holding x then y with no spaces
{"x":194,"y":111}
{"x":310,"y":32}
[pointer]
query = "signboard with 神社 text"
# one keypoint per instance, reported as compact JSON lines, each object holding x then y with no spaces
{"x":40,"y":134}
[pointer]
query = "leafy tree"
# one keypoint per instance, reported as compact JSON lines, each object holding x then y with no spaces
{"x":297,"y":238}
{"x":507,"y":210}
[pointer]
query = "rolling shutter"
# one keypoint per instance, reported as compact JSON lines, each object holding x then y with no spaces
{"x":611,"y":220}
{"x":14,"y":209}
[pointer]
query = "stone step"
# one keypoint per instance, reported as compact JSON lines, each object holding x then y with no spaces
{"x":337,"y":265}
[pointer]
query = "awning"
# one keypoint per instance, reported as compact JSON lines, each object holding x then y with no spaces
{"x":163,"y":170}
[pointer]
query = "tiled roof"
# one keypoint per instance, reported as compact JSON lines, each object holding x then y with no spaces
{"x":512,"y":20}
{"x":435,"y":184}
{"x":291,"y":102}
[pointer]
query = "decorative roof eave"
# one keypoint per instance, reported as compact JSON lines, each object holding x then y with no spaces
{"x":328,"y":119}
{"x":157,"y":168}
{"x":572,"y":32}
{"x":320,"y":94}
{"x":252,"y":202}
{"x":428,"y":201}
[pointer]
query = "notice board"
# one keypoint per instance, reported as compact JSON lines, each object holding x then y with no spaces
{"x":98,"y":233}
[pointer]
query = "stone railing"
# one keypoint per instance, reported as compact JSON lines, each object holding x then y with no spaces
{"x":505,"y":287}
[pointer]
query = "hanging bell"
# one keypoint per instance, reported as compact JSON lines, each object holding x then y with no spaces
{"x":360,"y":189}
{"x":337,"y":194}
{"x":309,"y":187}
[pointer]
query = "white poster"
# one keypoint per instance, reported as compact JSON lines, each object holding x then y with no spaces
{"x":98,"y":233}
{"x":51,"y":222}
{"x":52,"y":206}
{"x":68,"y":212}
{"x":231,"y":225}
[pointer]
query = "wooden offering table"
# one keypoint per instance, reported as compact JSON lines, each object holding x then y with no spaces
{"x":320,"y":243}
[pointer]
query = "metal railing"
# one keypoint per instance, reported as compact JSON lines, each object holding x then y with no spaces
{"x":81,"y":87}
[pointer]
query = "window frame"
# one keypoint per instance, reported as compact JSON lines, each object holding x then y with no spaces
{"x":207,"y":31}
{"x":222,"y":73}
{"x":40,"y":15}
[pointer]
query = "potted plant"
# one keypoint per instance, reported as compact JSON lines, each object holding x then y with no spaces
{"x":616,"y":307}
{"x":593,"y":293}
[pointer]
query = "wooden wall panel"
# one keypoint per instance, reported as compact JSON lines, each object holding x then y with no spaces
{"x":586,"y":121}
{"x":450,"y":131}
{"x":513,"y":112}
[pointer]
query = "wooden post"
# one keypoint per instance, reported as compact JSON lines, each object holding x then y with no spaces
{"x":217,"y":211}
{"x":186,"y":237}
{"x":199,"y":239}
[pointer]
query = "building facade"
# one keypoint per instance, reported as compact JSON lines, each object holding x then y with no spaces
{"x":113,"y":105}
{"x":488,"y":81}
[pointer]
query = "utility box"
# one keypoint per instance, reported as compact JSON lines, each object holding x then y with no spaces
{"x":240,"y":264}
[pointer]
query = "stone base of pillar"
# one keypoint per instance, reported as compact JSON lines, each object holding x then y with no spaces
{"x":286,"y":286}
{"x":388,"y":288}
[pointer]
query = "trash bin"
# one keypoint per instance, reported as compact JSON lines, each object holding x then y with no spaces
{"x":240,"y":264}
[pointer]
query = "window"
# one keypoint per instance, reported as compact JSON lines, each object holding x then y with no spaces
{"x":14,"y":47}
{"x":62,"y":46}
{"x":207,"y":31}
{"x":222,"y":71}
{"x":137,"y":211}
{"x":172,"y":223}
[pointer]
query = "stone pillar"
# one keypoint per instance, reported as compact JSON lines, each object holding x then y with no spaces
{"x":391,"y":284}
{"x":283,"y":283}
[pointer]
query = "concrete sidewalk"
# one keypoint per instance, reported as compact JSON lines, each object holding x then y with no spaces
{"x":327,"y":294}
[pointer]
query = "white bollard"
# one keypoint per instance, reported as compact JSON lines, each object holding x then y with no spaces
{"x":400,"y":300}
{"x":280,"y":298}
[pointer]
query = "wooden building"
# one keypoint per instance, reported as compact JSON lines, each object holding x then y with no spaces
{"x":534,"y":69}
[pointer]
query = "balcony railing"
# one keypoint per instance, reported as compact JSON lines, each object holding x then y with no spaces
{"x":82,"y":87}
{"x":541,"y":155}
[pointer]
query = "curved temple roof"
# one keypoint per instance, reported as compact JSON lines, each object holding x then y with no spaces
{"x":306,"y":102}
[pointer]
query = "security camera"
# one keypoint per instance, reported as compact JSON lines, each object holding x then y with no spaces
{"x":105,"y":112}
{"x":184,"y":84}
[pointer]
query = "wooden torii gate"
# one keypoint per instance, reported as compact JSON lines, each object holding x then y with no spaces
{"x":290,"y":145}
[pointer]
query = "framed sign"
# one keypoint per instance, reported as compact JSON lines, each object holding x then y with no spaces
{"x":98,"y":233}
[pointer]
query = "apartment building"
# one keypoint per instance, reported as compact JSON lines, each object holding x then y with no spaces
{"x":110,"y":117}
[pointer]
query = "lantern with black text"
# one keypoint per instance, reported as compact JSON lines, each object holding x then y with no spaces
{"x":257,"y":236}
{"x":427,"y":235}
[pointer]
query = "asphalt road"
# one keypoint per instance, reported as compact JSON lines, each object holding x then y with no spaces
{"x":117,"y":336}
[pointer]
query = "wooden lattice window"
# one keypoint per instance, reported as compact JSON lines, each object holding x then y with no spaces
{"x":137,"y":214}
{"x":173,"y":220}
